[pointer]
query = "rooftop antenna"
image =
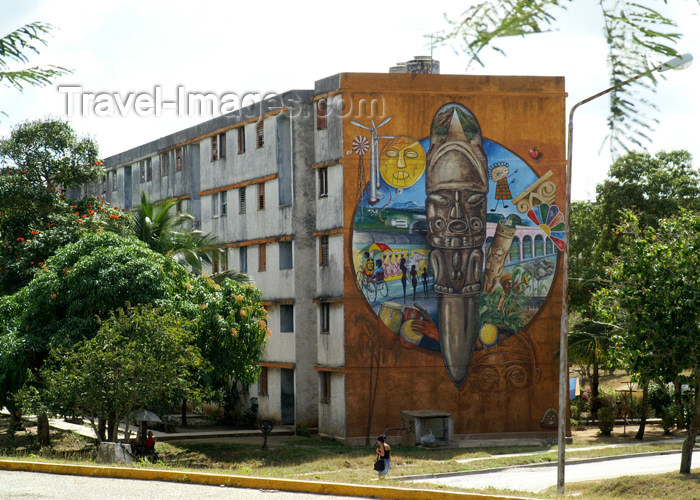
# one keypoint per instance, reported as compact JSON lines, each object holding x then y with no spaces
{"x":432,"y":44}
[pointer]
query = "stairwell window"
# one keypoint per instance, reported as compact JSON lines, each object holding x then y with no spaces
{"x":325,"y":387}
{"x":262,"y":257}
{"x":178,"y":159}
{"x":323,"y":257}
{"x":241,"y":140}
{"x":325,"y":319}
{"x":286,"y":255}
{"x":286,"y":318}
{"x":215,"y":205}
{"x":323,"y":182}
{"x":241,"y":200}
{"x":214,"y":148}
{"x":243,"y":259}
{"x":223,"y":196}
{"x":261,"y":196}
{"x":164,"y":164}
{"x":260,"y":134}
{"x":222,"y":145}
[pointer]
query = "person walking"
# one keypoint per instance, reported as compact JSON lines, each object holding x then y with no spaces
{"x":404,"y":271}
{"x":384,"y":452}
{"x":414,"y":280}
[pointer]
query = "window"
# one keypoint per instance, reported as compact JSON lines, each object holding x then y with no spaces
{"x":241,"y":200}
{"x":178,"y":159}
{"x":286,"y":258}
{"x":325,"y":311}
{"x":323,"y":258}
{"x":222,"y":145}
{"x":286,"y":318}
{"x":223,"y":196}
{"x":114,"y":180}
{"x":325,"y":387}
{"x":321,"y":114}
{"x":163,"y":164}
{"x":223,"y":263}
{"x":214,"y":148}
{"x":260,"y":134}
{"x":322,"y":182}
{"x":215,"y":205}
{"x":214,"y":261}
{"x":142,"y":171}
{"x":261,"y":196}
{"x":262,"y":257}
{"x":149,"y":170}
{"x":262,"y":381}
{"x":243,"y":259}
{"x":241,"y":140}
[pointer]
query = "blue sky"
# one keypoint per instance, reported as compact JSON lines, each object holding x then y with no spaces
{"x":131,"y":46}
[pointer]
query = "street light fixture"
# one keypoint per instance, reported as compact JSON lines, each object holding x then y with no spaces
{"x":677,"y":63}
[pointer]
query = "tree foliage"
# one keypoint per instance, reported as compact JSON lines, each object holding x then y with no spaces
{"x":37,"y":162}
{"x":167,"y":232}
{"x":635,"y":33}
{"x":84,"y":282}
{"x":14,"y":48}
{"x":655,"y":294}
{"x":141,"y":357}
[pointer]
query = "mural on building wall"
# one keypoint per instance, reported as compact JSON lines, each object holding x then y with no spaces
{"x":455,"y":241}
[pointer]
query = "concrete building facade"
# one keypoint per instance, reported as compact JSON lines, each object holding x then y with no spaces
{"x":403,"y":228}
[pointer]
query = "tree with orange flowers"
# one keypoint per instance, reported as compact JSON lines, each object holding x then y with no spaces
{"x":39,"y":161}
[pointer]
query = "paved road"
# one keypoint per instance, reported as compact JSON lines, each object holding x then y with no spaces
{"x":536,"y":479}
{"x":34,"y":485}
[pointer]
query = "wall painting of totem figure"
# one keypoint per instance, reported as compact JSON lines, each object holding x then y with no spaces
{"x":455,"y":238}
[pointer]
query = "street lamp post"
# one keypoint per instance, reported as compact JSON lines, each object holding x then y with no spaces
{"x":677,"y":63}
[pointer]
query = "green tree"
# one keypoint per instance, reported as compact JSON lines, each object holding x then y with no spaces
{"x":14,"y":48}
{"x":77,"y":287}
{"x":586,"y":269}
{"x":141,"y":357}
{"x":654,"y":187}
{"x":85,"y":281}
{"x":231,"y":333}
{"x":655,"y":294}
{"x":38,"y":162}
{"x":634,"y":32}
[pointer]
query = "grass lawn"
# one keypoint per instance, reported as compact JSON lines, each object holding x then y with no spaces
{"x":296,"y":457}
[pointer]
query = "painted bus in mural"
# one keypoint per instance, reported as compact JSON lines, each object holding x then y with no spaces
{"x":455,"y":241}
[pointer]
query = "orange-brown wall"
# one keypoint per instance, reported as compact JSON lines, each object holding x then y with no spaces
{"x":382,"y":376}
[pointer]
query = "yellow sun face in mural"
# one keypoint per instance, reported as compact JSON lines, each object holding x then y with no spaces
{"x":402,"y":162}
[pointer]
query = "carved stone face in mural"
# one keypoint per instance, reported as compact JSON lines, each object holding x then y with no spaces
{"x":456,"y":185}
{"x":506,"y":367}
{"x":402,"y":162}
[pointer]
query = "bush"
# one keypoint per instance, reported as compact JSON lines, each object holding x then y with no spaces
{"x":668,"y":419}
{"x":606,"y":419}
{"x":660,"y":399}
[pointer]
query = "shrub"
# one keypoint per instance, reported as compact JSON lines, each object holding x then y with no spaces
{"x":606,"y":419}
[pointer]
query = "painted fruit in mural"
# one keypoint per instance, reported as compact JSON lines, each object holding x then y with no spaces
{"x":455,"y":241}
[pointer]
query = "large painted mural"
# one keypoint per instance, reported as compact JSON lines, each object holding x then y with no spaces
{"x":455,"y":242}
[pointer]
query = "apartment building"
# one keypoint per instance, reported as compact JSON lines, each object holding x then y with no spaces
{"x":405,"y":230}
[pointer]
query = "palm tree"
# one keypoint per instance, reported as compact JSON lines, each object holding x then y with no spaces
{"x":168,"y":232}
{"x":13,"y":48}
